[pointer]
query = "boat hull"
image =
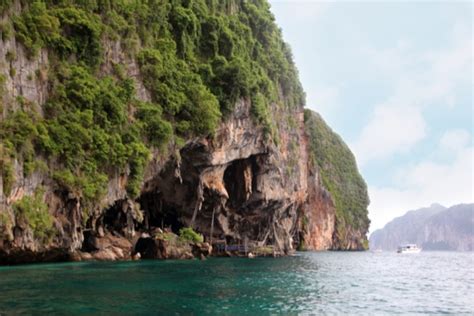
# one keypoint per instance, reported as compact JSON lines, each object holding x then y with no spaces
{"x":408,"y":248}
{"x":409,"y":251}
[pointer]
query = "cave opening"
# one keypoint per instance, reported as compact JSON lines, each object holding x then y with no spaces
{"x":117,"y":219}
{"x":158,"y":213}
{"x":240,"y":181}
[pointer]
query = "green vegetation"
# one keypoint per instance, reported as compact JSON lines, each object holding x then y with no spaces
{"x":67,"y":30}
{"x":85,"y":131}
{"x":365,"y":244}
{"x":197,"y":58}
{"x":6,"y":30}
{"x":179,"y":91}
{"x":3,"y":81}
{"x":10,"y":56}
{"x":4,"y":5}
{"x":235,"y":47}
{"x":6,"y":152}
{"x":17,"y":132}
{"x":36,"y":27}
{"x":304,"y":228}
{"x":339,"y":173}
{"x":6,"y":172}
{"x":264,"y":250}
{"x":6,"y":225}
{"x":166,"y":236}
{"x":302,"y":246}
{"x":188,"y":234}
{"x":12,"y":71}
{"x":34,"y":212}
{"x":261,"y":114}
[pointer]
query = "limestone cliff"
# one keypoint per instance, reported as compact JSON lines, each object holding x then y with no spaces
{"x":432,"y":228}
{"x":122,"y":118}
{"x":335,"y":212}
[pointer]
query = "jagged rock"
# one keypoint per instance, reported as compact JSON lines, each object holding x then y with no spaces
{"x":81,"y":256}
{"x":105,"y":255}
{"x":170,"y":247}
{"x":108,"y":247}
{"x":136,"y":256}
{"x":235,"y":179}
{"x":318,"y":221}
{"x":201,"y":249}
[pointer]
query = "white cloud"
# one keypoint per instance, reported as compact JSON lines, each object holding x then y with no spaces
{"x":323,"y":99}
{"x":455,"y":139}
{"x":419,"y":80}
{"x":391,"y":129}
{"x":414,"y":76}
{"x":427,"y":182}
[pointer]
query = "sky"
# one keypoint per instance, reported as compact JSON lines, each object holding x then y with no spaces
{"x":395,"y":80}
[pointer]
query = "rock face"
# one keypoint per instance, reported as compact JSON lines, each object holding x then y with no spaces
{"x":335,"y":212}
{"x":432,"y":228}
{"x":239,"y":185}
{"x":319,"y":221}
{"x":233,"y":184}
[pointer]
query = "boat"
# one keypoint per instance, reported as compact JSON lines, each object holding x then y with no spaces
{"x":408,"y":248}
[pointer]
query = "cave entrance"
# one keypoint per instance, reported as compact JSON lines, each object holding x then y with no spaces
{"x":240,"y":181}
{"x":115,"y":220}
{"x":158,"y":213}
{"x":118,"y":219}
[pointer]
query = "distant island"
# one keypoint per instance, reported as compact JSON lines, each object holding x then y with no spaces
{"x":433,"y":228}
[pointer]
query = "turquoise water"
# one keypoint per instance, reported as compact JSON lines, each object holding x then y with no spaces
{"x":319,"y":283}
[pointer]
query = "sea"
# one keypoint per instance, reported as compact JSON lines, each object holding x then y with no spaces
{"x":309,"y":283}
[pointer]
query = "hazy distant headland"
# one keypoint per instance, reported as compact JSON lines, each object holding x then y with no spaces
{"x":433,"y":228}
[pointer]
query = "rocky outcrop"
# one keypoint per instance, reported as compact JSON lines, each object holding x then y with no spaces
{"x":242,"y":185}
{"x":233,"y":186}
{"x":432,"y":228}
{"x":319,"y":216}
{"x":170,"y":246}
{"x":335,"y":213}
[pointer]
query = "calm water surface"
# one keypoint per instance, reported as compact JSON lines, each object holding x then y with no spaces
{"x":309,"y":283}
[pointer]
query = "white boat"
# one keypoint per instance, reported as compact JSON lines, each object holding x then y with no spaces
{"x":408,"y":248}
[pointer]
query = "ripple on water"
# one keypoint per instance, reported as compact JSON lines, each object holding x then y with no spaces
{"x":320,"y":283}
